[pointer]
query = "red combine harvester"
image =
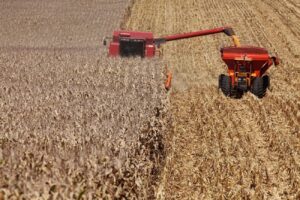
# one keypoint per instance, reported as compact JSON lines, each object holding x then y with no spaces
{"x":247,"y":65}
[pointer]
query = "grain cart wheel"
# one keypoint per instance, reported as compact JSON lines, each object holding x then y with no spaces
{"x":266,"y":79}
{"x":225,"y":84}
{"x":259,"y":87}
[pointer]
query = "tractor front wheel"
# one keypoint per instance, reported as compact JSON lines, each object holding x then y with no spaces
{"x":225,"y":84}
{"x":259,"y":86}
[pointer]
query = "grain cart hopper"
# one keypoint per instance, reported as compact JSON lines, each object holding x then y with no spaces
{"x":143,"y":44}
{"x":247,"y":66}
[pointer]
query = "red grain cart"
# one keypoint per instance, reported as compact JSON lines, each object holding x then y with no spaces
{"x":247,"y":66}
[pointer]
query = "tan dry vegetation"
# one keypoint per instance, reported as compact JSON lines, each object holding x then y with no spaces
{"x":75,"y":124}
{"x":224,"y":148}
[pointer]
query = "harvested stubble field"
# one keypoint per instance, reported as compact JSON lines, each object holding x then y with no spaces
{"x":73,"y":123}
{"x":222,"y":148}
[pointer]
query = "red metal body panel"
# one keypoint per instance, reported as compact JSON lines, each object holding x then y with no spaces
{"x":114,"y":49}
{"x":150,"y":51}
{"x":147,"y":36}
{"x":255,"y":57}
{"x":255,"y":60}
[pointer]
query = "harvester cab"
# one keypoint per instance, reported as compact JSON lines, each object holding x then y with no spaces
{"x":247,"y":65}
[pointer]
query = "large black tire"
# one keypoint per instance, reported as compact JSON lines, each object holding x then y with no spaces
{"x":259,"y":86}
{"x":266,"y":79}
{"x":225,"y":84}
